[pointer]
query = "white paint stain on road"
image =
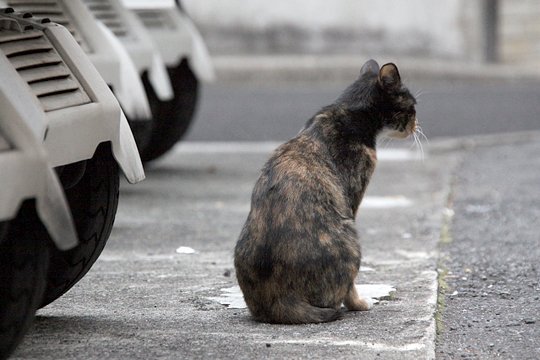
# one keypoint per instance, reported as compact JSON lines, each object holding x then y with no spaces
{"x":185,"y":250}
{"x":232,"y":297}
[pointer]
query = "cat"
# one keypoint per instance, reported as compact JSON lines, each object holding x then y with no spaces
{"x":298,"y":253}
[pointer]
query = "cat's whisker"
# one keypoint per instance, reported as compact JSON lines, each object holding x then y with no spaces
{"x":419,"y":145}
{"x":413,"y":142}
{"x":416,"y":145}
{"x":421,"y":132}
{"x":419,"y":94}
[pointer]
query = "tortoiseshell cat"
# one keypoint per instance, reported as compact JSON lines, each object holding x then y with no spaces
{"x":298,"y":253}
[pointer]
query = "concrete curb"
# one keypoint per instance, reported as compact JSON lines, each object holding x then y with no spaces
{"x":313,"y":68}
{"x":453,"y":144}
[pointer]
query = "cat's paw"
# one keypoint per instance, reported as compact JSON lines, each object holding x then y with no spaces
{"x":359,"y":304}
{"x":369,"y":302}
{"x":365,"y":304}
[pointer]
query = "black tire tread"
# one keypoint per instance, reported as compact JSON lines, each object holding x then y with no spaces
{"x":171,"y":119}
{"x":23,"y":269}
{"x":93,"y":203}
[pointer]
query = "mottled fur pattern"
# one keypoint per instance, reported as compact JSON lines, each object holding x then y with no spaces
{"x":298,"y":254}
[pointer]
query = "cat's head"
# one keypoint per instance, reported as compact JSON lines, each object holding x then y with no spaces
{"x":380,"y":91}
{"x":396,"y":103}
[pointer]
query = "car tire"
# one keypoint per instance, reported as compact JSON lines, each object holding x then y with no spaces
{"x":171,"y":119}
{"x":142,"y":131}
{"x":23,"y":272}
{"x":93,"y":201}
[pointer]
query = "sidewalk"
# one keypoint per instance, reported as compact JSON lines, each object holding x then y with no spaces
{"x":306,"y":68}
{"x":152,"y":294}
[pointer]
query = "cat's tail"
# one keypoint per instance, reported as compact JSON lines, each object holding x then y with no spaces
{"x":297,"y":312}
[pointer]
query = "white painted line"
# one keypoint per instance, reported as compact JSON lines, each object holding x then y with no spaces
{"x":385,"y":202}
{"x":145,"y":4}
{"x":266,"y":147}
{"x":124,"y":256}
{"x":366,"y":269}
{"x":415,"y":255}
{"x":263,"y":147}
{"x":369,"y":345}
{"x":399,"y":155}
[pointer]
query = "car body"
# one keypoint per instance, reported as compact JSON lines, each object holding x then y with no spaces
{"x":105,"y":51}
{"x":79,"y":110}
{"x":26,"y":170}
{"x":169,"y":24}
{"x":60,"y":125}
{"x":132,"y":34}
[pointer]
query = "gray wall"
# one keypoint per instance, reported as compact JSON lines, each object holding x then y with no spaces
{"x":445,"y":29}
{"x":519,"y":31}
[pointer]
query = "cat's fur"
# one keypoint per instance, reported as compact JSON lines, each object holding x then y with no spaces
{"x":298,"y":254}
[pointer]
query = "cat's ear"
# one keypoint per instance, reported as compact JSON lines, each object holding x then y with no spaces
{"x":389,"y":76}
{"x":370,"y":67}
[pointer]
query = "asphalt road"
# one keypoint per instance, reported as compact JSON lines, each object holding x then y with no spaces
{"x":491,"y":260}
{"x":254,"y":112}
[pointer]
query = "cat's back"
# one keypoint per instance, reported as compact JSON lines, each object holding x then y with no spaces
{"x":299,"y":171}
